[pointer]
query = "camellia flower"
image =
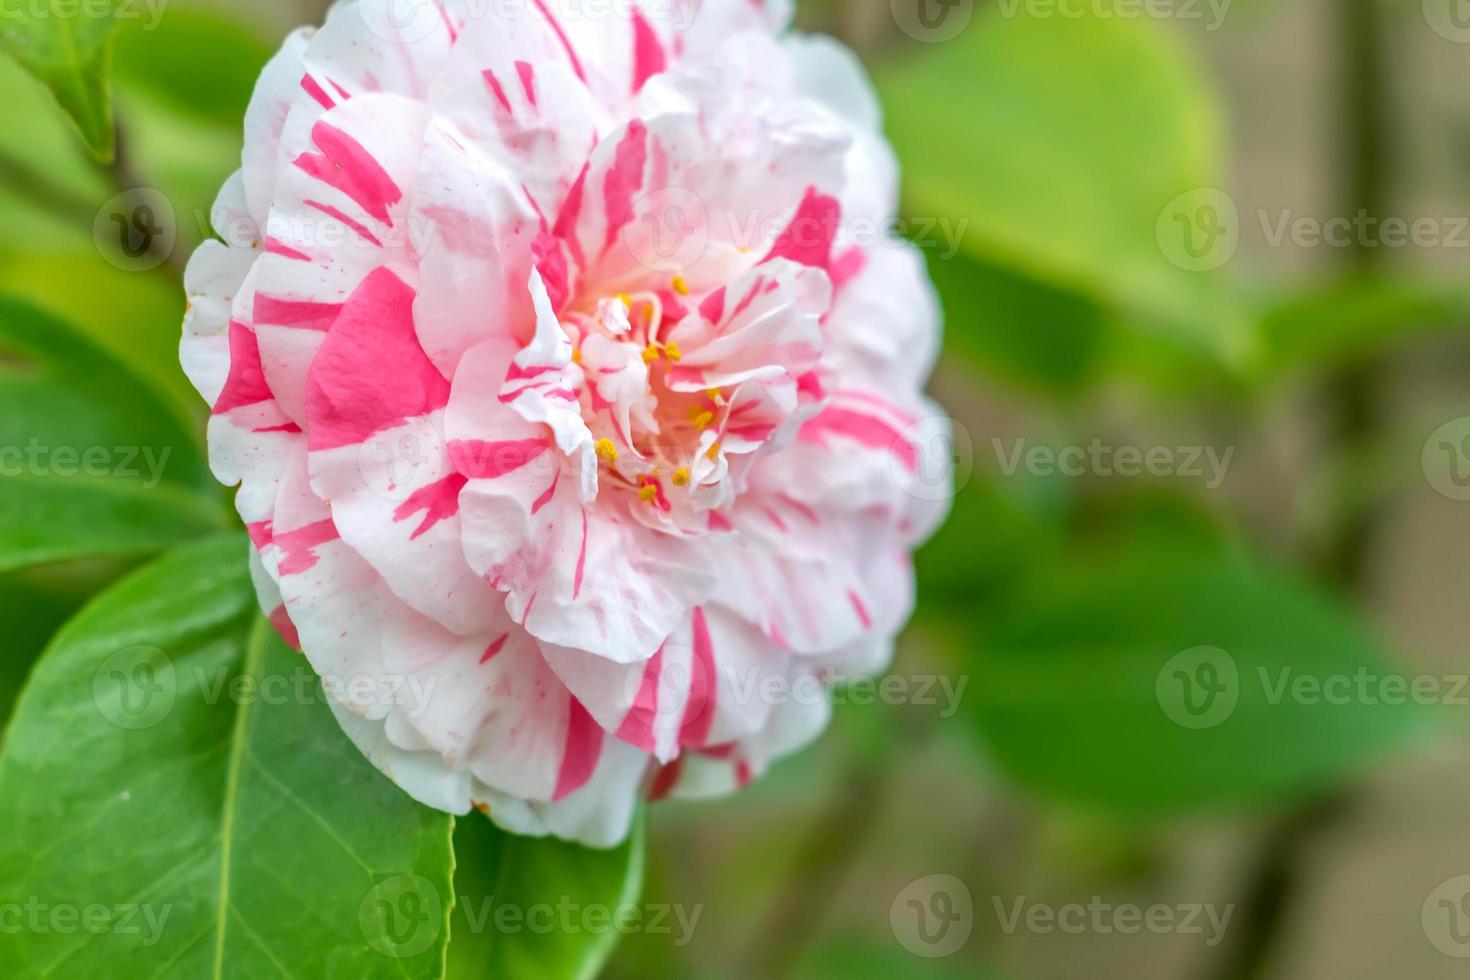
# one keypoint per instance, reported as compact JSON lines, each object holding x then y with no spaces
{"x":573,"y":391}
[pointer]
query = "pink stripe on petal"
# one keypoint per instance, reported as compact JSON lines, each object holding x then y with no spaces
{"x":581,"y":560}
{"x":583,"y":749}
{"x":345,"y":164}
{"x":281,"y":620}
{"x":623,"y":181}
{"x":847,"y":266}
{"x":649,"y":58}
{"x":260,"y":534}
{"x":545,"y":498}
{"x":494,"y":648}
{"x":357,"y":226}
{"x":370,"y":373}
{"x":305,"y":314}
{"x":562,"y":36}
{"x":482,"y":460}
{"x":246,"y":384}
{"x":699,"y":711}
{"x":860,"y":609}
{"x":299,"y":546}
{"x":438,"y":501}
{"x":712,"y":307}
{"x":275,"y":246}
{"x":808,"y":238}
{"x":497,"y":88}
{"x":637,"y":726}
{"x":868,"y":430}
{"x":527,"y":74}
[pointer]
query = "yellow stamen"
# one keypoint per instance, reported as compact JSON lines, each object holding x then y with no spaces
{"x":680,"y":286}
{"x":606,"y":450}
{"x":714,"y":451}
{"x":701,"y":419}
{"x":713,"y":394}
{"x":648,"y":493}
{"x":673,"y":351}
{"x":651,"y":354}
{"x":577,"y":355}
{"x":681,"y":477}
{"x":626,"y":300}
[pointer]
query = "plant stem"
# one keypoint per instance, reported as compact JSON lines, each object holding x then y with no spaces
{"x":1355,"y":406}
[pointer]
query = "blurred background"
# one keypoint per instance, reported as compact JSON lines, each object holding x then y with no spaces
{"x":1185,"y":695}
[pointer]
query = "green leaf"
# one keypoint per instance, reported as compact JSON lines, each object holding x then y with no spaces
{"x":1079,"y":133}
{"x":540,"y":909}
{"x":93,"y":460}
{"x":67,"y":46}
{"x":1020,"y":330}
{"x":199,"y":61}
{"x":172,"y":776}
{"x":60,"y":395}
{"x":1355,"y":319}
{"x":1165,"y":679}
{"x":49,"y":520}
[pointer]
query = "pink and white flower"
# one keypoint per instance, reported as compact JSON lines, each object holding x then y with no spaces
{"x":552,"y":379}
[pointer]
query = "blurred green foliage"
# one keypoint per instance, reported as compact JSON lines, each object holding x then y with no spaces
{"x":1048,"y":148}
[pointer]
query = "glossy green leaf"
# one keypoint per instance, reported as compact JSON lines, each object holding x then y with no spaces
{"x":1324,"y":328}
{"x":1173,"y":678}
{"x":46,"y":520}
{"x":93,"y":460}
{"x":1078,"y":133}
{"x":540,"y":909}
{"x":66,"y":46}
{"x":175,"y":789}
{"x":1016,"y":328}
{"x":61,"y":394}
{"x":200,"y":61}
